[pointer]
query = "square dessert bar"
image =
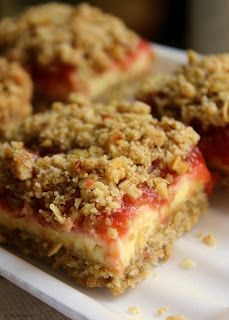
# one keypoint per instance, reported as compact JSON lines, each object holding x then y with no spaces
{"x":74,"y":49}
{"x":100,"y":191}
{"x":198,"y":95}
{"x":15,"y":96}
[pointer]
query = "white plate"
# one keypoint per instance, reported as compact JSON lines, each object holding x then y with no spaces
{"x":201,"y":293}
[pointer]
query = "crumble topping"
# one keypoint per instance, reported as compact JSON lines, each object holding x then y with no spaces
{"x":196,"y":91}
{"x":56,"y":33}
{"x":133,"y":310}
{"x":209,"y":240}
{"x":77,"y":159}
{"x":188,"y":264}
{"x":161,"y":311}
{"x":15,"y":95}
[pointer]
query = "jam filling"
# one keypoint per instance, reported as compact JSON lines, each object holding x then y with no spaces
{"x":58,"y":82}
{"x":61,"y":80}
{"x":214,"y":144}
{"x":119,"y":219}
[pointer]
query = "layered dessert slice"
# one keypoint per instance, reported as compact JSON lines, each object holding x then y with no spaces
{"x":15,"y":96}
{"x":100,"y":191}
{"x":74,"y":49}
{"x":198,"y":95}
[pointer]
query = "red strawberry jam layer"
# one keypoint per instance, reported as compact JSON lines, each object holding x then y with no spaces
{"x":120,"y":219}
{"x":61,"y":80}
{"x":214,"y":145}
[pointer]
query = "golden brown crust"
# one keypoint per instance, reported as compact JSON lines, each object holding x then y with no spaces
{"x":54,"y":33}
{"x":15,"y":95}
{"x":91,"y":274}
{"x":95,"y":154}
{"x":196,"y":91}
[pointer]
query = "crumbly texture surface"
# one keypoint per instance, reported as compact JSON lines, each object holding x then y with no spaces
{"x":90,"y":274}
{"x":198,"y":91}
{"x":54,"y":33}
{"x":92,"y":158}
{"x":15,"y":96}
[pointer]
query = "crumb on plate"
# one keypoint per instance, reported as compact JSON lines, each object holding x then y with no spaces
{"x":161,"y":311}
{"x":209,"y":240}
{"x":199,"y":235}
{"x":176,"y":318}
{"x":188,"y":264}
{"x":154,"y":274}
{"x":133,"y":310}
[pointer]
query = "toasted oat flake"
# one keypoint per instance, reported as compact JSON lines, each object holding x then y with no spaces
{"x":112,"y":233}
{"x":161,"y":311}
{"x":209,"y":240}
{"x":58,"y":217}
{"x":188,"y":264}
{"x":77,"y":202}
{"x":133,"y":310}
{"x":56,"y":247}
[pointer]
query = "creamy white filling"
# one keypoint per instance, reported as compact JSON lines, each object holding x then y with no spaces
{"x":98,"y":84}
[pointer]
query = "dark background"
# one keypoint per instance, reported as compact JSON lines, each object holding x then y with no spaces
{"x":198,"y":24}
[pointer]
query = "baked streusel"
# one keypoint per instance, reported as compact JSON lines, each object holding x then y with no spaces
{"x":104,"y":152}
{"x":15,"y":96}
{"x":76,"y":43}
{"x":196,"y":91}
{"x":197,"y":94}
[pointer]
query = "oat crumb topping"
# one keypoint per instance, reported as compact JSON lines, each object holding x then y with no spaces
{"x":96,"y":155}
{"x":54,"y":33}
{"x":15,"y":95}
{"x":198,"y":91}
